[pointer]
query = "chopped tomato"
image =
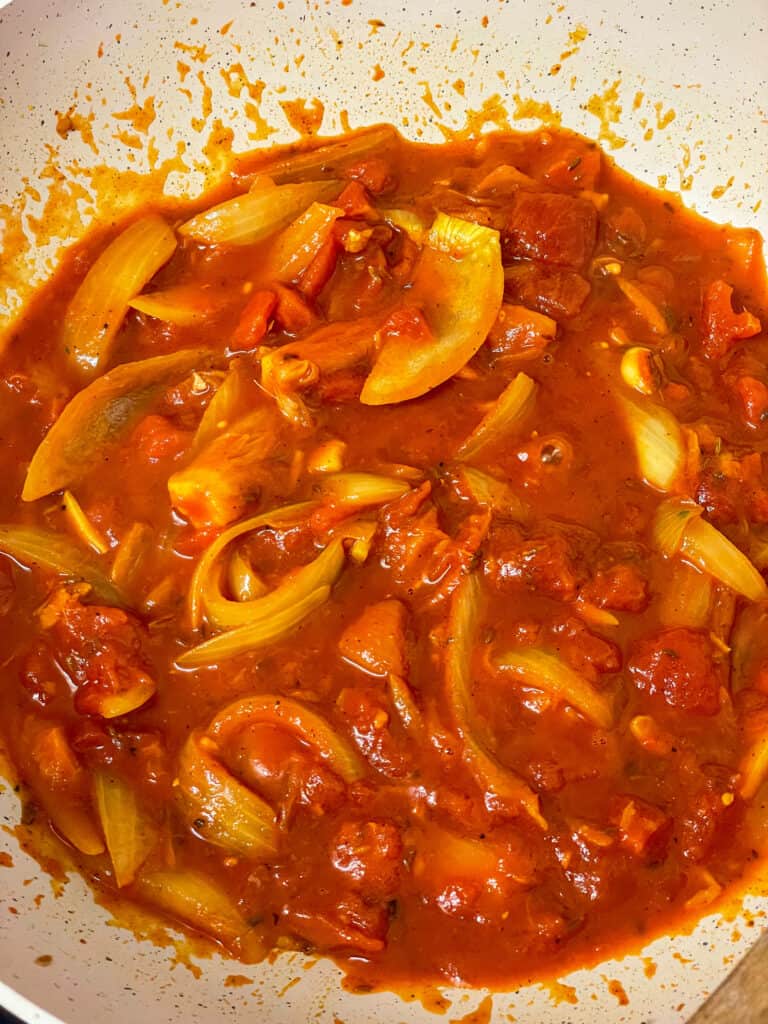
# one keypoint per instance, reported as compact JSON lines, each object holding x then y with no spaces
{"x":320,"y":270}
{"x":721,"y":326}
{"x":292,"y":312}
{"x":679,"y":665}
{"x":753,"y":397}
{"x":374,"y":174}
{"x":156,"y":439}
{"x":355,"y":201}
{"x":254,"y":321}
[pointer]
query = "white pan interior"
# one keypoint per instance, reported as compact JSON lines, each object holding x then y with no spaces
{"x":703,"y":61}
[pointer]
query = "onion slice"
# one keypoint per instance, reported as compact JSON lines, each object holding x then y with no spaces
{"x":307,"y":724}
{"x":129,"y":833}
{"x":502,"y":786}
{"x":679,"y":528}
{"x":549,"y":673}
{"x":99,"y":305}
{"x":658,"y":443}
{"x":34,"y":546}
{"x":255,"y":215}
{"x":510,"y":409}
{"x":459,"y":284}
{"x":101,"y":414}
{"x":223,"y":810}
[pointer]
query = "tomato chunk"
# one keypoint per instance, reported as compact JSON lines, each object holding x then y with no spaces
{"x":680,"y":666}
{"x":721,"y":326}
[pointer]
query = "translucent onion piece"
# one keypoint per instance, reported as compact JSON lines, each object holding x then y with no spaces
{"x":308,"y":725}
{"x":298,"y":244}
{"x":753,"y":768}
{"x":500,"y":783}
{"x":670,"y":522}
{"x":101,"y":302}
{"x":711,"y":551}
{"x":128,"y":562}
{"x":225,"y":408}
{"x":492,"y":493}
{"x":686,"y":599}
{"x":214,"y":488}
{"x":405,"y":705}
{"x":648,"y":310}
{"x":508,"y":412}
{"x":129,"y":832}
{"x":410,"y":222}
{"x":255,"y":635}
{"x":255,"y":215}
{"x":285,"y":516}
{"x":323,"y":571}
{"x":138,"y":688}
{"x":60,"y":784}
{"x":99,"y":416}
{"x":658,"y":443}
{"x":243,"y":580}
{"x":459,"y":284}
{"x":547,"y":672}
{"x":183,"y":305}
{"x":82,"y":525}
{"x":361,"y":489}
{"x":196,"y":900}
{"x":33,"y":546}
{"x":330,"y":157}
{"x":223,"y":811}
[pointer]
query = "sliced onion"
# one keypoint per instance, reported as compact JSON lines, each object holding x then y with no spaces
{"x":128,"y":830}
{"x":194,"y":899}
{"x":34,"y":546}
{"x":549,"y":673}
{"x":82,"y":525}
{"x":494,"y":494}
{"x":256,"y":214}
{"x":255,"y":635}
{"x":507,"y":414}
{"x":323,"y":571}
{"x":501,"y":784}
{"x":99,"y":305}
{"x":288,"y":515}
{"x":330,"y":157}
{"x":670,"y":522}
{"x":297,"y":245}
{"x":658,"y":443}
{"x":753,"y":768}
{"x":101,"y":415}
{"x":459,"y":285}
{"x":711,"y":551}
{"x":223,"y":811}
{"x":686,"y":599}
{"x":361,"y":489}
{"x":308,"y":725}
{"x":183,"y":305}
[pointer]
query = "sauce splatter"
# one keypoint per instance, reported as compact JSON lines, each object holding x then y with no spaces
{"x":607,"y":109}
{"x":237,"y":981}
{"x":480,"y":1015}
{"x":6,"y":860}
{"x":304,"y":116}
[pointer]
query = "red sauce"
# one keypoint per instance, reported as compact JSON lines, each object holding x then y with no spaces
{"x":392,"y":777}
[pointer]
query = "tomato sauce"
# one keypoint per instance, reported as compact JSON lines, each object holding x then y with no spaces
{"x":491,"y":701}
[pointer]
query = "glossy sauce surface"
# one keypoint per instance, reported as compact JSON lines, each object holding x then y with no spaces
{"x":460,"y":821}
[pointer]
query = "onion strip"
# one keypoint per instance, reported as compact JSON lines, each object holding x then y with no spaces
{"x":501,"y":784}
{"x":99,"y":305}
{"x":549,"y":673}
{"x":511,"y":407}
{"x":308,"y":725}
{"x":219,"y":807}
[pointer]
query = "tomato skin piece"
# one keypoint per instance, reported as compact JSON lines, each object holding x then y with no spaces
{"x":320,"y":270}
{"x":254,"y":321}
{"x":721,"y":326}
